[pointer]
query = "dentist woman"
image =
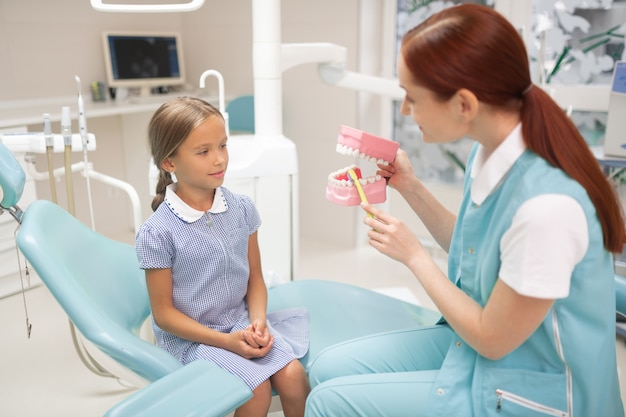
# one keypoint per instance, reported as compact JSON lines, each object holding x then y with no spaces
{"x":528,"y":305}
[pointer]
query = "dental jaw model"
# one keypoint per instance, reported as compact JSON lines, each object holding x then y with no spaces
{"x":353,"y":142}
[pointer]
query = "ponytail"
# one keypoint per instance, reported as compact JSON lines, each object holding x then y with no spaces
{"x":551,"y":134}
{"x":165,"y":179}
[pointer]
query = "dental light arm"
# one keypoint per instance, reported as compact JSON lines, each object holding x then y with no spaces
{"x":332,"y":68}
{"x":294,"y":54}
{"x":337,"y":75}
{"x":190,"y":6}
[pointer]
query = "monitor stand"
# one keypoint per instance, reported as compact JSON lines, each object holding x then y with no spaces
{"x":145,"y":91}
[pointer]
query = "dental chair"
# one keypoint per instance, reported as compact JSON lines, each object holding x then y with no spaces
{"x":100,"y":287}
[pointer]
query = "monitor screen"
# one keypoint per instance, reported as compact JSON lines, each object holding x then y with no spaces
{"x":143,"y":59}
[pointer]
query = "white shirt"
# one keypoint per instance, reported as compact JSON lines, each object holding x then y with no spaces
{"x":548,"y":235}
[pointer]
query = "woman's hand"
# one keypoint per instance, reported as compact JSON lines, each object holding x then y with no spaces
{"x":493,"y":330}
{"x":391,"y":236}
{"x":399,"y":173}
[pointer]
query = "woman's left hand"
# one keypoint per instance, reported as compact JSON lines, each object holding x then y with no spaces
{"x":390,"y":236}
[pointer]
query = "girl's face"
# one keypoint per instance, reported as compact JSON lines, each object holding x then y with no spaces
{"x":438,"y":120}
{"x":201,"y":160}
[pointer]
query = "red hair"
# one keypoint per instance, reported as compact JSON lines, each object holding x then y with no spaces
{"x":473,"y":47}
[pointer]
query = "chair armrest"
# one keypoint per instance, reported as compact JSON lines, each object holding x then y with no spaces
{"x":200,"y":389}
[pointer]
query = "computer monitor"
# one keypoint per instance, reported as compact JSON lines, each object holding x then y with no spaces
{"x":143,"y":59}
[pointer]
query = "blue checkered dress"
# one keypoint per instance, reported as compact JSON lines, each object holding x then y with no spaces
{"x":208,"y":255}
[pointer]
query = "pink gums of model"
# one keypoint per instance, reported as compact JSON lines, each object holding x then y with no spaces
{"x":354,"y":142}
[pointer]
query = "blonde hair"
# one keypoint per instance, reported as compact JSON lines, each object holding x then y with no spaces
{"x":168,"y":128}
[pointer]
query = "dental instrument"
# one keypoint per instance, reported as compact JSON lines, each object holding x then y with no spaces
{"x":357,"y":183}
{"x":82,"y":128}
{"x":66,"y":132}
{"x":47,"y":131}
{"x":82,"y":119}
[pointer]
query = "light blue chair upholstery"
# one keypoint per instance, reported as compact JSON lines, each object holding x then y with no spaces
{"x":241,"y":114}
{"x":12,"y":178}
{"x":195,"y":390}
{"x":97,"y":282}
{"x":339,"y":312}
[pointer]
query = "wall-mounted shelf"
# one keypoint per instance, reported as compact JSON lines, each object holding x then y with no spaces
{"x":30,"y":112}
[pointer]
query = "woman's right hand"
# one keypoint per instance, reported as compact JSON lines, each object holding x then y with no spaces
{"x":239,"y":344}
{"x":399,"y":173}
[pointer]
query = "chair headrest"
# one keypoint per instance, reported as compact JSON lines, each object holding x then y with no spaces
{"x":12,"y":178}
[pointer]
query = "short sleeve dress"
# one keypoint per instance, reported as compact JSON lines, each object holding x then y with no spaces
{"x":208,"y":255}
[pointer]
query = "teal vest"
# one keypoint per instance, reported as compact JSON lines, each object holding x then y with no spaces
{"x":567,"y":367}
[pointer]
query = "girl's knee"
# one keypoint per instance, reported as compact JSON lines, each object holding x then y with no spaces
{"x":291,"y":378}
{"x":264,"y":390}
{"x":293,"y":369}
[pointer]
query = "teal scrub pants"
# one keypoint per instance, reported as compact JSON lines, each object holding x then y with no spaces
{"x":387,"y":374}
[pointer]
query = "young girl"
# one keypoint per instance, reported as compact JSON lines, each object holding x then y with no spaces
{"x":529,"y":300}
{"x":203,"y":269}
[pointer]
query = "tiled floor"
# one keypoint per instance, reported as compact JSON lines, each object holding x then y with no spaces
{"x":42,"y":376}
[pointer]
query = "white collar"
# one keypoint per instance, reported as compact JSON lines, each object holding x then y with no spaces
{"x":187,"y":213}
{"x":488,"y":173}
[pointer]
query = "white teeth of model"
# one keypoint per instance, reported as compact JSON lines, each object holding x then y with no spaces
{"x":343,"y":149}
{"x":371,"y":180}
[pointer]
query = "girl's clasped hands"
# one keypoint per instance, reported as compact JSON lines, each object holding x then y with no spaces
{"x":254,"y":341}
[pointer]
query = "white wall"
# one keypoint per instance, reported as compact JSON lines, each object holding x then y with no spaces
{"x":44,"y":43}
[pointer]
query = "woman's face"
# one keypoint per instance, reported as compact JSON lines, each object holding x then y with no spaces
{"x":438,"y":120}
{"x":201,"y":160}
